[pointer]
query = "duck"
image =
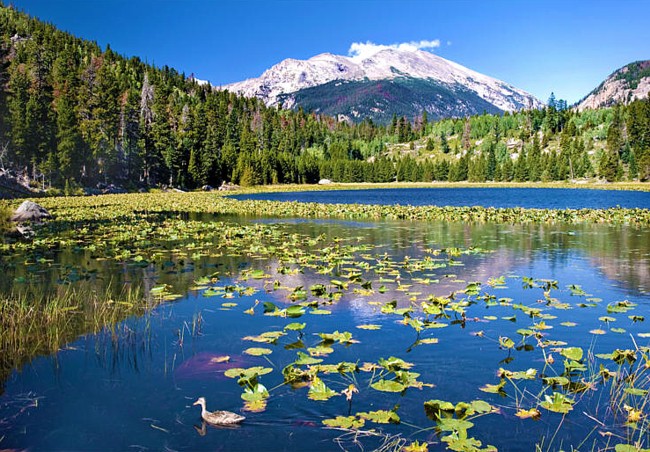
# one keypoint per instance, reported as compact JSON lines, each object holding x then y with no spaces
{"x":218,"y":417}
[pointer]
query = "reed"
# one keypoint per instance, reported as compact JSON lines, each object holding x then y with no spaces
{"x":36,"y":322}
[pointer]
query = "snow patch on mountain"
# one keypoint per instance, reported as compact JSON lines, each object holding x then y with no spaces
{"x":291,"y":75}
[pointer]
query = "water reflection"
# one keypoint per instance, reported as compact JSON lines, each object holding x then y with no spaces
{"x":144,"y":372}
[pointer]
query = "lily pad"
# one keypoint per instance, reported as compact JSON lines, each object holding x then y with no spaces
{"x":532,"y":413}
{"x":388,"y":386}
{"x":305,"y":359}
{"x":258,"y":351}
{"x":381,"y":417}
{"x":295,"y":326}
{"x":369,"y":327}
{"x":238,"y":372}
{"x":574,"y":353}
{"x":319,"y":391}
{"x":558,"y":403}
{"x":345,"y":422}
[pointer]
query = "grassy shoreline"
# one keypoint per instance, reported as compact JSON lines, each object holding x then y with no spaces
{"x":74,"y":212}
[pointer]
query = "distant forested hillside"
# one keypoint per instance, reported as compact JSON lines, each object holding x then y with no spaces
{"x":75,"y":115}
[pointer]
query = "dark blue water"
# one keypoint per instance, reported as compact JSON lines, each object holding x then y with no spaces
{"x":531,"y":198}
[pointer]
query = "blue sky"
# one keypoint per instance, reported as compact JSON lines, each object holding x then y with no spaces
{"x":567,"y":47}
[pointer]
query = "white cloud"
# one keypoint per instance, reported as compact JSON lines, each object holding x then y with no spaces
{"x":363,"y":50}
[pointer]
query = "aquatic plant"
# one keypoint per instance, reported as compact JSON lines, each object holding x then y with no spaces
{"x":36,"y":322}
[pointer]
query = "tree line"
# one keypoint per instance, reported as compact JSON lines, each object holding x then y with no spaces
{"x":74,"y":114}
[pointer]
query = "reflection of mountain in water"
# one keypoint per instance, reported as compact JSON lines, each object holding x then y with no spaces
{"x":453,"y":275}
{"x":629,"y":274}
{"x":622,"y":254}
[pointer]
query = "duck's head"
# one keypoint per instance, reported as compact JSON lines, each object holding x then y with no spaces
{"x":199,"y":401}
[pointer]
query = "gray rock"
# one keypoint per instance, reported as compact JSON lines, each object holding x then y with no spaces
{"x":30,"y":211}
{"x":227,"y":186}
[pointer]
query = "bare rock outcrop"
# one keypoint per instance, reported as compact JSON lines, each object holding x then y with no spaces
{"x":30,"y":211}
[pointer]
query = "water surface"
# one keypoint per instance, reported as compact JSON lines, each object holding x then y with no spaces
{"x":141,"y":377}
{"x":531,"y":198}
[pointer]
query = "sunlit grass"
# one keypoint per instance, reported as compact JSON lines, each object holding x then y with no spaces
{"x":73,"y":212}
{"x":5,"y":215}
{"x":34,"y":322}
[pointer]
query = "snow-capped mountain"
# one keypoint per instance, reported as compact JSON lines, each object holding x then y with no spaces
{"x":290,"y":81}
{"x":624,"y":85}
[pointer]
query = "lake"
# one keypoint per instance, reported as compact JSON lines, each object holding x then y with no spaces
{"x":496,"y":319}
{"x":529,"y":198}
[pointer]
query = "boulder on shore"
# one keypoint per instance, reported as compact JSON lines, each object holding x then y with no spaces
{"x":30,"y":211}
{"x":324,"y":182}
{"x":227,"y":186}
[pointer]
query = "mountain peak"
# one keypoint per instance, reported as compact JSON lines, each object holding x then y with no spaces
{"x":628,"y":83}
{"x":282,"y":83}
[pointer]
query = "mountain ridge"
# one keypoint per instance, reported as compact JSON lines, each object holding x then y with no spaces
{"x":283,"y":83}
{"x":625,"y":84}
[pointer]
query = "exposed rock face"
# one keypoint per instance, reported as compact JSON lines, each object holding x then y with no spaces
{"x":625,"y":85}
{"x":30,"y":211}
{"x":12,"y":186}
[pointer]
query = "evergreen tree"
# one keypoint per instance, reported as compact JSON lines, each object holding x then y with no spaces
{"x":521,"y":168}
{"x":444,"y":144}
{"x":491,"y":164}
{"x":507,"y":171}
{"x":467,"y":130}
{"x":609,"y":166}
{"x":633,"y":171}
{"x":614,"y":133}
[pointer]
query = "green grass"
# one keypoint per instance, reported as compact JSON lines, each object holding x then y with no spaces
{"x":5,"y":215}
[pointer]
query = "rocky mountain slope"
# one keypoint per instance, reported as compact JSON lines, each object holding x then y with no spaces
{"x":367,"y":87}
{"x":626,"y":84}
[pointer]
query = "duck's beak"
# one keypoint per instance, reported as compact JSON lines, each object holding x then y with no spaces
{"x":196,"y":403}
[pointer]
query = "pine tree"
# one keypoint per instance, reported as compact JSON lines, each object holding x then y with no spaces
{"x":444,"y":144}
{"x":633,"y":171}
{"x":491,"y":165}
{"x":467,"y":130}
{"x":614,"y":133}
{"x":609,"y":166}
